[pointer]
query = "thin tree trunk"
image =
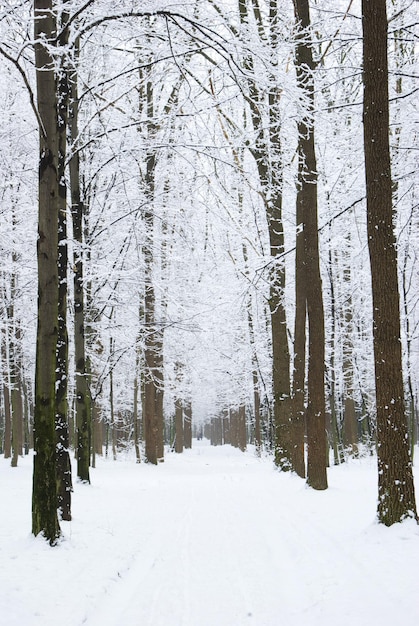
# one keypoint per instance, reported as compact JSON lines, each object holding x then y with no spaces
{"x":268,"y":158}
{"x":135,"y":408}
{"x":153,"y":426}
{"x":299,"y":365}
{"x":334,"y":424}
{"x":307,"y":178}
{"x":255,"y":376}
{"x":83,"y":401}
{"x":7,"y":423}
{"x":349,"y":408}
{"x":280,"y":349}
{"x":159,"y":382}
{"x":17,"y":421}
{"x":16,"y":395}
{"x":256,"y":407}
{"x":64,"y":480}
{"x":15,"y":360}
{"x":111,"y":402}
{"x":7,"y":436}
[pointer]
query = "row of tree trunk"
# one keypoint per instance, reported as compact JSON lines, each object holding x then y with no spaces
{"x":299,"y":404}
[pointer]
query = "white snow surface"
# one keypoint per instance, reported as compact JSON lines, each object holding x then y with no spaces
{"x":210,"y":537}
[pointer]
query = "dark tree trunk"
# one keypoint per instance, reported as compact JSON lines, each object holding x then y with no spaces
{"x":16,"y":395}
{"x":4,"y":338}
{"x":44,"y":493}
{"x":299,"y":369}
{"x":307,"y":178}
{"x":78,"y":210}
{"x":153,"y":340}
{"x":396,"y":494}
{"x":273,"y":190}
{"x":136,"y":422}
{"x":7,"y":423}
{"x":17,"y":421}
{"x":64,"y":481}
{"x":151,"y":422}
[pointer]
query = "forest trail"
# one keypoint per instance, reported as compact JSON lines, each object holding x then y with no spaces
{"x":224,"y":539}
{"x":211,"y":537}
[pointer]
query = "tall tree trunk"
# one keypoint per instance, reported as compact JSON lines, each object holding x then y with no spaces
{"x":15,"y":358}
{"x":44,"y":491}
{"x":254,"y":358}
{"x":349,"y":408}
{"x":7,"y":435}
{"x":396,"y":494}
{"x":78,"y":210}
{"x":16,"y":394}
{"x":151,"y":425}
{"x":334,"y":424}
{"x":5,"y":370}
{"x":307,"y":180}
{"x":159,"y":383}
{"x":113,"y":424}
{"x":299,"y":365}
{"x":64,"y":481}
{"x":135,"y":407}
{"x":7,"y":441}
{"x":268,"y":157}
{"x":27,"y":414}
{"x":273,"y":191}
{"x":17,"y":422}
{"x":153,"y":416}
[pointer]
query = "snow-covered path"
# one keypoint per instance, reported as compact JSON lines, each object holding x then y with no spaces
{"x":212,"y":537}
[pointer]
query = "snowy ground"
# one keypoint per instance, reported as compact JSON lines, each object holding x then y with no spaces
{"x":212,"y":537}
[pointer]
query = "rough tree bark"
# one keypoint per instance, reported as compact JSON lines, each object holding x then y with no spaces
{"x":307,"y":197}
{"x":152,"y":389}
{"x":78,"y":210}
{"x":64,"y":481}
{"x":396,"y":494}
{"x":299,"y":364}
{"x":44,"y":492}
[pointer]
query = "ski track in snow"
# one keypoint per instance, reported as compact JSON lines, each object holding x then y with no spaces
{"x":212,"y":537}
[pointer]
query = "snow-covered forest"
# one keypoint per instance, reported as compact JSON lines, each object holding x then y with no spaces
{"x":209,"y":312}
{"x":208,"y":232}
